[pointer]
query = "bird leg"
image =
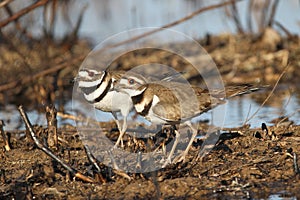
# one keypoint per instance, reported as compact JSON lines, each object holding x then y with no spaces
{"x":169,"y":159}
{"x":194,"y":134}
{"x":122,"y":129}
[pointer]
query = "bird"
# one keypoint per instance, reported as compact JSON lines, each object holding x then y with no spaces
{"x":175,"y":103}
{"x":98,"y":89}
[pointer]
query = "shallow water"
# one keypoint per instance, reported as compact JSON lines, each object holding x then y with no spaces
{"x":233,"y":114}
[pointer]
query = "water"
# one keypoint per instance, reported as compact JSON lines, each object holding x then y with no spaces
{"x":103,"y":19}
{"x":237,"y":111}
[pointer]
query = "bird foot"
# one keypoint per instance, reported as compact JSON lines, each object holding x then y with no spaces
{"x":167,"y":162}
{"x":117,"y":144}
{"x":180,"y":158}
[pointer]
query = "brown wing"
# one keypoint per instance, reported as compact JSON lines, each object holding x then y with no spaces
{"x":180,"y":101}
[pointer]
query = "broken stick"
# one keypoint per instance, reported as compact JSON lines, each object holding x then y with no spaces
{"x":46,"y":150}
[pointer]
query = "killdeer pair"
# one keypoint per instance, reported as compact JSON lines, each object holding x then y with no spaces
{"x":160,"y":102}
{"x":167,"y":102}
{"x":98,"y":89}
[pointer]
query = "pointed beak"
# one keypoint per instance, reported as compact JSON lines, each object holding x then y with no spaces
{"x":76,"y":79}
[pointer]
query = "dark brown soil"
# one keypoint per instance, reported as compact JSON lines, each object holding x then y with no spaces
{"x":243,"y":164}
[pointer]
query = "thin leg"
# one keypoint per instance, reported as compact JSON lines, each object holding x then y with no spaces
{"x":186,"y":151}
{"x":169,"y":159}
{"x":122,"y":129}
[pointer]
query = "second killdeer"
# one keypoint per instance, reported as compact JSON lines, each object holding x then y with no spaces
{"x":175,"y":103}
{"x":98,"y":89}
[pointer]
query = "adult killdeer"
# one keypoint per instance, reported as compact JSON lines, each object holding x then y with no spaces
{"x":172,"y":103}
{"x":98,"y":89}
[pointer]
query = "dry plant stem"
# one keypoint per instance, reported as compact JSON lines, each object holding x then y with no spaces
{"x":249,"y":16}
{"x":121,"y":173}
{"x":236,"y":18}
{"x":52,"y":139}
{"x":273,"y":11}
{"x":49,"y":31}
{"x":270,"y":94}
{"x":2,"y":176}
{"x":74,"y":172}
{"x":4,"y":3}
{"x":75,"y":31}
{"x":77,"y":118}
{"x":288,"y":116}
{"x":91,"y":158}
{"x":263,"y":20}
{"x":11,"y":13}
{"x":285,"y":30}
{"x":296,"y":168}
{"x":23,"y":12}
{"x":190,"y":16}
{"x":4,"y":136}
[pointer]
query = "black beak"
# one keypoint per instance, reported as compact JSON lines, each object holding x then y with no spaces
{"x":76,"y":79}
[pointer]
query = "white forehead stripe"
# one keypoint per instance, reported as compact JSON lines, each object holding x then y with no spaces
{"x":82,"y":74}
{"x":86,"y":83}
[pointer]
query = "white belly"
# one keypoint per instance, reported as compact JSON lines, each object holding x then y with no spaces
{"x":115,"y":102}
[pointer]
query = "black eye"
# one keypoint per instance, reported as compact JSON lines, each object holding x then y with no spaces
{"x":91,"y":73}
{"x":131,"y":81}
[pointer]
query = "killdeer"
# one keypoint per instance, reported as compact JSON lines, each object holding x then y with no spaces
{"x":98,"y":89}
{"x":169,"y":103}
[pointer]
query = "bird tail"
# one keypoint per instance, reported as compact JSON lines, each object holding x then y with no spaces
{"x":237,"y":90}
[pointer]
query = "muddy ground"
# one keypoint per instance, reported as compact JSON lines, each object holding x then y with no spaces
{"x":245,"y":163}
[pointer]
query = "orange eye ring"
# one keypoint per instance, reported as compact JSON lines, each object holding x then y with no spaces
{"x":131,"y":81}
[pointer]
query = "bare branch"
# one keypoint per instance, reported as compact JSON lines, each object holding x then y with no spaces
{"x":273,"y":11}
{"x":73,"y":171}
{"x":22,"y":12}
{"x":4,"y":137}
{"x":4,"y":3}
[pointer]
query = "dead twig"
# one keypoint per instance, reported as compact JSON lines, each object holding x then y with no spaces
{"x":285,"y":30}
{"x":22,"y":12}
{"x":52,"y":139}
{"x":270,"y":94}
{"x":4,"y":137}
{"x":286,"y":117}
{"x":4,"y":3}
{"x":249,"y":16}
{"x":77,"y":118}
{"x":296,"y":168}
{"x":236,"y":18}
{"x":93,"y":160}
{"x":46,"y":150}
{"x":49,"y":31}
{"x":272,"y":15}
{"x":10,"y":12}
